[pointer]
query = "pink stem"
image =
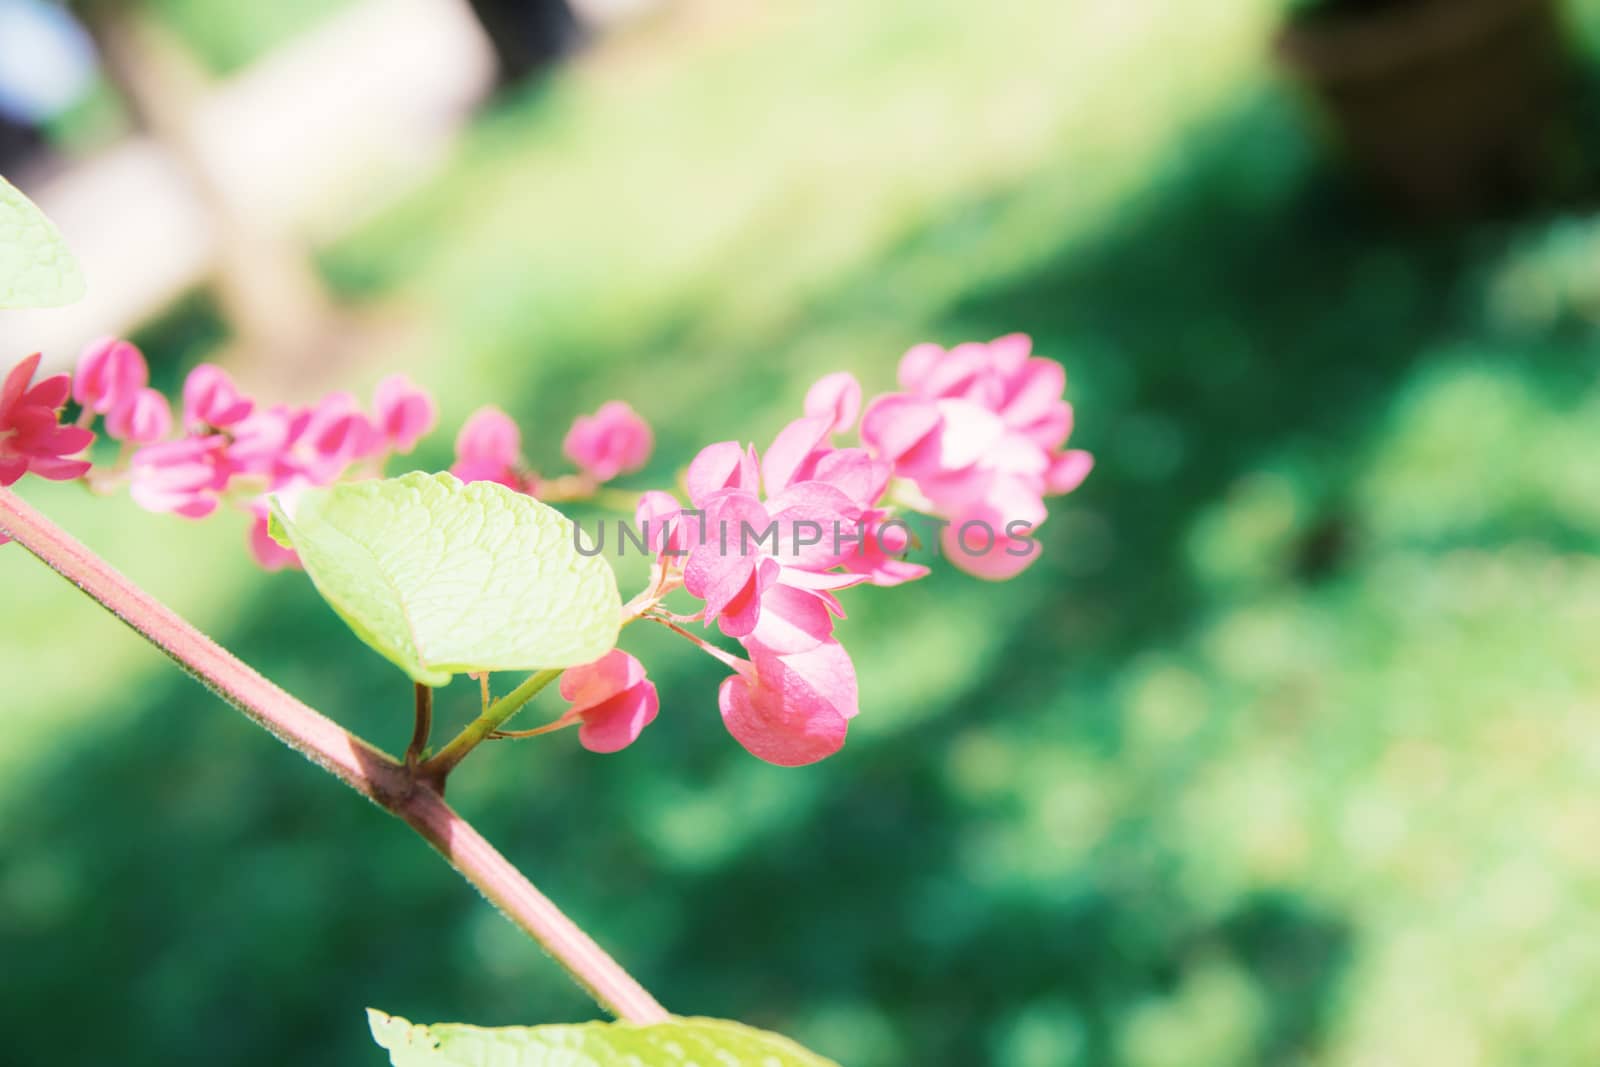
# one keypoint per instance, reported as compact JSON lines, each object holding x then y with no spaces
{"x":368,"y":770}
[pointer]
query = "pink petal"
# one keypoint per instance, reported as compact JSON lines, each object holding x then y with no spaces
{"x":791,"y":620}
{"x":612,"y":441}
{"x":838,"y":397}
{"x":793,"y":451}
{"x":1068,"y":470}
{"x":724,"y":465}
{"x":180,"y":476}
{"x":741,"y":615}
{"x":598,"y":681}
{"x":896,"y":423}
{"x":16,"y":383}
{"x":993,"y":541}
{"x":1049,"y":431}
{"x":489,"y":441}
{"x":211,"y":399}
{"x":819,"y":581}
{"x":917,"y":364}
{"x":875,"y":560}
{"x":12,"y":468}
{"x":613,"y":698}
{"x":889,"y":572}
{"x":817,"y":514}
{"x":617,"y":723}
{"x":270,"y":555}
{"x":722,"y":566}
{"x":142,"y":418}
{"x":260,"y":442}
{"x":961,"y":373}
{"x":405,"y":413}
{"x":110,"y":371}
{"x":854,"y":473}
{"x":38,"y":434}
{"x":656,"y":516}
{"x":970,"y":431}
{"x":50,"y":393}
{"x":1038,"y":390}
{"x":1009,"y":354}
{"x":791,"y":710}
{"x":54,"y":469}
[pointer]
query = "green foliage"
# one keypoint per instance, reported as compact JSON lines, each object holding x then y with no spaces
{"x":441,"y":577}
{"x":679,"y":1043}
{"x":36,"y":267}
{"x":228,"y":40}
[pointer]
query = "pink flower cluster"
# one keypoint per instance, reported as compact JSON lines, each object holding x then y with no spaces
{"x":980,"y":431}
{"x":228,"y":447}
{"x":977,"y":437}
{"x":232,"y":448}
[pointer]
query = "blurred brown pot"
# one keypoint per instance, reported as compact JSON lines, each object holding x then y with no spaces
{"x":1451,"y":107}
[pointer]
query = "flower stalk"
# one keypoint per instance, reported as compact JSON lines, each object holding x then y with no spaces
{"x":438,"y":767}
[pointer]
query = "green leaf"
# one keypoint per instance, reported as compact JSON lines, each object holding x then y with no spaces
{"x":36,"y":267}
{"x":442,"y":577}
{"x":679,"y":1043}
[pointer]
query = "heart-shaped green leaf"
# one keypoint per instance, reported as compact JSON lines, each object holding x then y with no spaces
{"x":442,"y":577}
{"x":36,"y":267}
{"x":678,"y":1043}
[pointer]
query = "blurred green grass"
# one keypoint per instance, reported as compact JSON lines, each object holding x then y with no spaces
{"x":1284,"y":753}
{"x":227,"y":41}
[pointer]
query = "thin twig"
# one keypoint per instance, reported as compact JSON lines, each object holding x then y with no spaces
{"x":438,"y":767}
{"x":719,"y":654}
{"x":537,"y":731}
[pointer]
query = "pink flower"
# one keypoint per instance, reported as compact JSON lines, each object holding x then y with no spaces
{"x":489,"y":449}
{"x":748,"y":559}
{"x":143,"y":418}
{"x":740,"y":548}
{"x":791,"y":710}
{"x":210,"y":399}
{"x":405,"y":413}
{"x":183,"y":476}
{"x":270,"y":555}
{"x":31,"y":435}
{"x":612,"y":441}
{"x":262,"y":445}
{"x":110,"y":373}
{"x":612,"y":698}
{"x":727,"y":567}
{"x":980,"y":430}
{"x":331,"y":436}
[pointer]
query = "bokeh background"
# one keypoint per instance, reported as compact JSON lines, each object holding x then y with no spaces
{"x":1287,"y":750}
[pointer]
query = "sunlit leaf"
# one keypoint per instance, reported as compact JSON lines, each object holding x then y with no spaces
{"x":444,"y":577}
{"x":678,"y":1043}
{"x":36,"y":267}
